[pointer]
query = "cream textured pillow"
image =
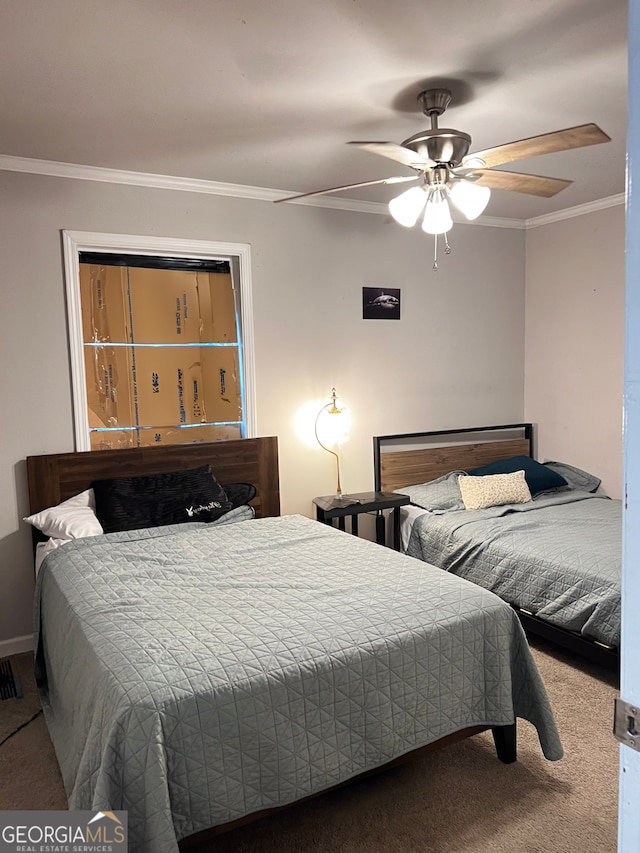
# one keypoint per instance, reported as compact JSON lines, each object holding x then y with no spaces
{"x":494,"y":490}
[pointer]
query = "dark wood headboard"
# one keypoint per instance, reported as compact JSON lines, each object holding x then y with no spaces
{"x":55,"y":477}
{"x":407,"y":459}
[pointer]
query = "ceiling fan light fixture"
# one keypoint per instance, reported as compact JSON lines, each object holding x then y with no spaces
{"x":453,"y":176}
{"x":437,"y":216}
{"x":407,"y":207}
{"x":471,"y":199}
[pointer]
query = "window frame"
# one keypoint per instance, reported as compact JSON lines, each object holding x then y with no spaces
{"x":237,"y":254}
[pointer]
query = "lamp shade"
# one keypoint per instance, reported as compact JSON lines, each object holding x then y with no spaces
{"x":333,"y":427}
{"x":407,"y":207}
{"x":437,"y":216}
{"x":470,"y":199}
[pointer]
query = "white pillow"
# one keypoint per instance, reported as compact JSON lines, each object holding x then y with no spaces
{"x":72,"y":519}
{"x":494,"y":490}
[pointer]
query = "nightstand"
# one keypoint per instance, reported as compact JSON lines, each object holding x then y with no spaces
{"x":329,"y":507}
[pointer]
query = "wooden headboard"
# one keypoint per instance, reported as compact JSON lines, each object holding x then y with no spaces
{"x":55,"y":477}
{"x":408,"y":459}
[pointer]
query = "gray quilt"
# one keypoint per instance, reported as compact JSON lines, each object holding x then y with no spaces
{"x":559,"y":557}
{"x":196,"y":674}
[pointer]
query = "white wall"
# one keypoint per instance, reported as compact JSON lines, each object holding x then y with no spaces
{"x":456,"y":358}
{"x":574,"y":358}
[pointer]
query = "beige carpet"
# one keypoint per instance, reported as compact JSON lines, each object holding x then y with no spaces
{"x":457,"y":799}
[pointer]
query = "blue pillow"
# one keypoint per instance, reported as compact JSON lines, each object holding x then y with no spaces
{"x":539,"y":478}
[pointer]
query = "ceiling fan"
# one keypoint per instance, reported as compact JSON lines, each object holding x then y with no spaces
{"x":449,"y":173}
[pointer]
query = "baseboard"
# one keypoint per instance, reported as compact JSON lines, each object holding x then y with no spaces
{"x":16,"y":646}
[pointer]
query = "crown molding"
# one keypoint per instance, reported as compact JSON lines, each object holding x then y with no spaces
{"x":490,"y":221}
{"x":53,"y":168}
{"x":56,"y":169}
{"x":76,"y":171}
{"x":578,"y":210}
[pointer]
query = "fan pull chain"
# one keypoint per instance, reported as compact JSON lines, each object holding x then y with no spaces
{"x":447,"y":250}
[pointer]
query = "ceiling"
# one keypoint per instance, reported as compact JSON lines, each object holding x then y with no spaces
{"x":266,"y":93}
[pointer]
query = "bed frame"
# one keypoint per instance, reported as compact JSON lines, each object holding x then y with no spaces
{"x":58,"y":476}
{"x":407,"y":459}
{"x":505,"y":742}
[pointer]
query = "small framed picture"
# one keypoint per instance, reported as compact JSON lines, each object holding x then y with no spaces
{"x":380,"y":303}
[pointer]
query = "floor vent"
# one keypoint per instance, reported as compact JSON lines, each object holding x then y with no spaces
{"x":10,"y":687}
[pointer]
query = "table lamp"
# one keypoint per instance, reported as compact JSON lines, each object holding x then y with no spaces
{"x":331,"y":428}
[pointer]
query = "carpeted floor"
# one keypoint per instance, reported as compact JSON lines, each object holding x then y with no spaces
{"x":16,"y":712}
{"x":457,"y":799}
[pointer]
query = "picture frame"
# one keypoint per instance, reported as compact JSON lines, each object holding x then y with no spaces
{"x":380,"y":303}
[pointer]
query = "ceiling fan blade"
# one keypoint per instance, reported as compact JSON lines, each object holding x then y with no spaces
{"x":546,"y":143}
{"x":518,"y":182}
{"x":396,"y":152}
{"x":397,"y":180}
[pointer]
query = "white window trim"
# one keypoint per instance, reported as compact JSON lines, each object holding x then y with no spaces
{"x":75,"y":242}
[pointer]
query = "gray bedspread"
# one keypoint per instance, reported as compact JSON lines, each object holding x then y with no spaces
{"x":559,"y":557}
{"x":196,"y":674}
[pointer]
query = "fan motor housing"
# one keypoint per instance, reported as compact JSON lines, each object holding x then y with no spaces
{"x":443,"y":145}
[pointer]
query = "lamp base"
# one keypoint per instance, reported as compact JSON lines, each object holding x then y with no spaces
{"x":344,"y":500}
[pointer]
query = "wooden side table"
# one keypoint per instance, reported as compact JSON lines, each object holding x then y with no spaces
{"x":329,"y":507}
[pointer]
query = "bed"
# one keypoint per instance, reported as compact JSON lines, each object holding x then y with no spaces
{"x":554,"y":553}
{"x":200,"y":674}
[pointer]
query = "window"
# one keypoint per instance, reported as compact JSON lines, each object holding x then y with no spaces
{"x":161,"y":344}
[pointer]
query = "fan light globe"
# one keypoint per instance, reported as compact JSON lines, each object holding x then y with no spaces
{"x":407,"y":207}
{"x":437,"y":216}
{"x":470,"y":199}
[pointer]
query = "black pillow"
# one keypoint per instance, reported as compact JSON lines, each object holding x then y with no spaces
{"x":539,"y":478}
{"x":129,"y":503}
{"x":239,"y":494}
